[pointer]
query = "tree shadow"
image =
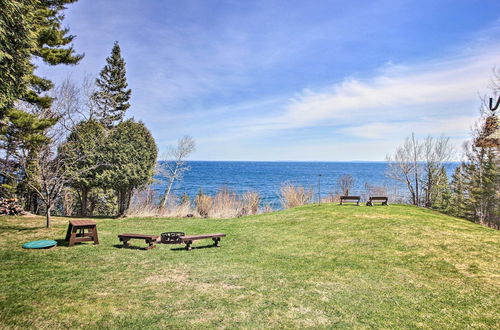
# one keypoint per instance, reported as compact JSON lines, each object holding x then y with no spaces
{"x":19,"y":228}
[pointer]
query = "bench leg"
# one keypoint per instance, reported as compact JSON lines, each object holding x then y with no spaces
{"x":151,"y":244}
{"x":216,"y":241}
{"x":188,"y":245}
{"x":125,"y":241}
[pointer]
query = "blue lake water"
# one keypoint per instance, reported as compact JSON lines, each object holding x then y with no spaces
{"x":267,"y":177}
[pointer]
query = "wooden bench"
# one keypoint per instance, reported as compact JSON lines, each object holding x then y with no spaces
{"x":189,"y":239}
{"x":353,"y":199}
{"x":150,"y":239}
{"x":76,"y":232}
{"x":372,"y":199}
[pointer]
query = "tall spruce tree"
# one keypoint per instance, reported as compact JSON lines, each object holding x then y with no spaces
{"x":112,"y":95}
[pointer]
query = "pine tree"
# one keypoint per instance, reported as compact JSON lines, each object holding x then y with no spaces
{"x":481,"y":177}
{"x":441,"y":191}
{"x":112,"y":95}
{"x":458,"y":192}
{"x":84,"y":152}
{"x":30,"y":31}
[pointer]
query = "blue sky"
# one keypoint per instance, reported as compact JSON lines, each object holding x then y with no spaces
{"x":294,"y":80}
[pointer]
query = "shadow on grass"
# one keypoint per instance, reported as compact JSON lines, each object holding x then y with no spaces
{"x":130,"y":247}
{"x":195,"y":248}
{"x":61,"y":242}
{"x":19,"y":228}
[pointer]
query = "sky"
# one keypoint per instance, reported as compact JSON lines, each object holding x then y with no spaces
{"x":294,"y":80}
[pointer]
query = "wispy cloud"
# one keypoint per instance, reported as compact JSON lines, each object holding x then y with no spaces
{"x":424,"y":92}
{"x":330,"y":80}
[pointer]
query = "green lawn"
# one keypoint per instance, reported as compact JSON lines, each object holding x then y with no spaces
{"x":313,"y":266}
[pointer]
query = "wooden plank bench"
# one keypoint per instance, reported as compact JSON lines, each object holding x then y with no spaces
{"x":150,"y":239}
{"x":372,"y":199}
{"x":189,"y":239}
{"x":353,"y":199}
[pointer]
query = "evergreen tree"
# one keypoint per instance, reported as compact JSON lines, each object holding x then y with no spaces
{"x":85,"y":154}
{"x":17,"y":41}
{"x":481,"y":176}
{"x":130,"y":160}
{"x":458,"y":192}
{"x":30,"y":31}
{"x":112,"y":95}
{"x":441,"y":191}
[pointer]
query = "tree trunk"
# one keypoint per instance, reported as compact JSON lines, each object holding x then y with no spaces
{"x":48,"y":219}
{"x":164,"y":200}
{"x":124,"y":196}
{"x":84,"y":201}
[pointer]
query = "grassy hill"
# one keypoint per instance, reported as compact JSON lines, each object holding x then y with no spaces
{"x":313,"y":266}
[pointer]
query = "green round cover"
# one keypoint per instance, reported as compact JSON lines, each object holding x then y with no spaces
{"x":43,"y":244}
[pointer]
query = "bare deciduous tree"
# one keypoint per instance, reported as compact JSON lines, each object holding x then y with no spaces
{"x":175,"y":165}
{"x":436,"y":152}
{"x":345,"y":183}
{"x":404,"y":166}
{"x":53,"y":170}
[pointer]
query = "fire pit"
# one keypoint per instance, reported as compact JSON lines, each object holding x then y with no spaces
{"x":173,"y":237}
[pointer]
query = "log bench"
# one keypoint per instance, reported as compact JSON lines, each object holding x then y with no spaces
{"x":353,"y":199}
{"x":372,"y":199}
{"x":150,"y":239}
{"x":189,"y":239}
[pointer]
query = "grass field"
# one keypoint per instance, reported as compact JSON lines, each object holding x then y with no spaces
{"x":313,"y":266}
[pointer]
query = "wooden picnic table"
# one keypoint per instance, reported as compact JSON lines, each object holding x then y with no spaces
{"x":81,"y":231}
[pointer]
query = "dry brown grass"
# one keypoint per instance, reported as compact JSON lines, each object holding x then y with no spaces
{"x":293,"y":196}
{"x":225,"y":204}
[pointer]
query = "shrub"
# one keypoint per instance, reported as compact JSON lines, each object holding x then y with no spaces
{"x":293,"y":196}
{"x":203,"y":204}
{"x":251,"y":202}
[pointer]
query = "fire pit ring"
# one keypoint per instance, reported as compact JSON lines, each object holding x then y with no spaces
{"x":172,"y":237}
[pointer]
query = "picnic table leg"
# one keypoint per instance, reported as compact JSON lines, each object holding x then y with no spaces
{"x":188,"y":245}
{"x":216,"y":241}
{"x":94,"y":235}
{"x":72,"y":237}
{"x":68,"y":232}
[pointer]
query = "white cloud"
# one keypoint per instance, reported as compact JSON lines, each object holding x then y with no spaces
{"x":429,"y":90}
{"x":455,"y":126}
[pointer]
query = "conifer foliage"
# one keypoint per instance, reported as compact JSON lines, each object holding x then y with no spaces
{"x":112,"y":93}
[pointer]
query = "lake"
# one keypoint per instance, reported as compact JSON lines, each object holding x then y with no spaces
{"x":267,"y":177}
